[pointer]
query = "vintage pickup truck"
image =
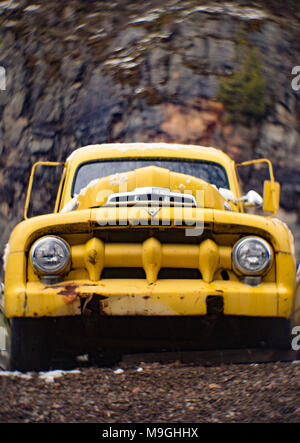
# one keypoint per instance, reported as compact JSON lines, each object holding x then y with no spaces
{"x":149,"y":247}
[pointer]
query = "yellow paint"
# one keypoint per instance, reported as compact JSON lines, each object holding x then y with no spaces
{"x":94,"y":258}
{"x":208,"y":259}
{"x":271,"y":196}
{"x":92,"y":252}
{"x":151,"y":255}
{"x":138,"y":297}
{"x":152,"y":258}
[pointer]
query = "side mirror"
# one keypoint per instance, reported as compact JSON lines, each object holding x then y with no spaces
{"x":252,"y":199}
{"x":271,"y":196}
{"x":271,"y":188}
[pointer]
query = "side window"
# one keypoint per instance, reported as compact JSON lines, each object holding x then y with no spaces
{"x":45,"y":185}
{"x":60,"y":190}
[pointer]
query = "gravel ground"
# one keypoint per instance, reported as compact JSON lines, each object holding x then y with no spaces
{"x":154,"y":393}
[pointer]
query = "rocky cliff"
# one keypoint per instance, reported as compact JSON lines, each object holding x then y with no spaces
{"x":81,"y":72}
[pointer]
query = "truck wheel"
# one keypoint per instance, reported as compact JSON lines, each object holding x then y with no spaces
{"x":31,"y":344}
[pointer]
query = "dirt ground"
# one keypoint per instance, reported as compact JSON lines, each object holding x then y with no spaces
{"x":155,"y":392}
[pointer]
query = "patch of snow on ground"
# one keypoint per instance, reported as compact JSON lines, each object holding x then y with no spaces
{"x":15,"y":374}
{"x":50,"y":376}
{"x":118,"y":371}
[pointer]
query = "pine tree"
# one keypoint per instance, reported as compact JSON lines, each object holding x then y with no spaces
{"x":243,"y":92}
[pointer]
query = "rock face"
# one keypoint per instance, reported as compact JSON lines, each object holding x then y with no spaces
{"x":80,"y":72}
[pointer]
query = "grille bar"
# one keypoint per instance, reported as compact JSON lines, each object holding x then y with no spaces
{"x":152,"y":256}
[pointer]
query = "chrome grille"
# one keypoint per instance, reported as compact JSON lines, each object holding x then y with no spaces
{"x":151,"y":195}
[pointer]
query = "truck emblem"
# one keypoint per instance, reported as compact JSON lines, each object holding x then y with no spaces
{"x":152,"y":211}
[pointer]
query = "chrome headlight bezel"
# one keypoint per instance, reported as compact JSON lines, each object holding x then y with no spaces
{"x":264,"y":267}
{"x":61,"y":267}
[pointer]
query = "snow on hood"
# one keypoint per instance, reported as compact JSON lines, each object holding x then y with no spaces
{"x":72,"y":204}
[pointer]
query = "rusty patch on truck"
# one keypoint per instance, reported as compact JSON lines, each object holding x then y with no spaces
{"x":101,"y":309}
{"x":100,"y":299}
{"x":94,"y":305}
{"x":92,"y":257}
{"x":69,"y":292}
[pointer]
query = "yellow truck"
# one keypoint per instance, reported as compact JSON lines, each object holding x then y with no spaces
{"x":151,"y":246}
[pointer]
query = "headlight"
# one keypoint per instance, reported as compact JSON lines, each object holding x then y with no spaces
{"x":252,"y":255}
{"x":50,"y":255}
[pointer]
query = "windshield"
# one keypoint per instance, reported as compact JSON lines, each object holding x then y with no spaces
{"x":212,"y":173}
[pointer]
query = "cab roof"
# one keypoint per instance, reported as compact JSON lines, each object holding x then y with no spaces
{"x":119,"y":150}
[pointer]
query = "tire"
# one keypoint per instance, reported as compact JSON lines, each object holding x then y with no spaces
{"x":31,"y":344}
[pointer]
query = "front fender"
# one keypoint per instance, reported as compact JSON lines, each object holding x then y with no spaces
{"x":28,"y":230}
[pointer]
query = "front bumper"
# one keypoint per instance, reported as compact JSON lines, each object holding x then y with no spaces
{"x":136,"y":297}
